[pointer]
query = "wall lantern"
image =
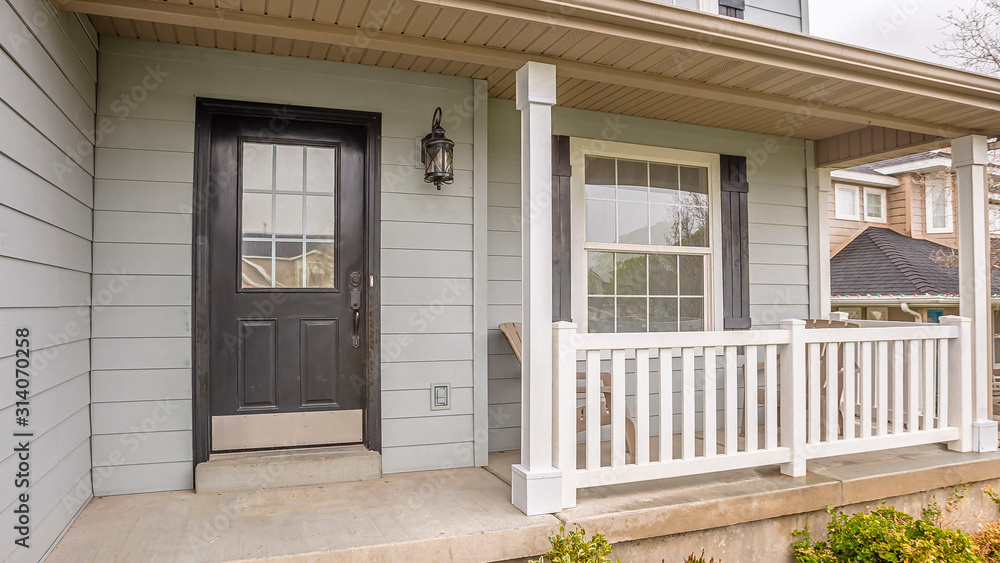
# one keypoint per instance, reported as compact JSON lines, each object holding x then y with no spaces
{"x":438,"y":152}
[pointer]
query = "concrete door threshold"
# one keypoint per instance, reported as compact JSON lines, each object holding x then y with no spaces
{"x":250,"y":471}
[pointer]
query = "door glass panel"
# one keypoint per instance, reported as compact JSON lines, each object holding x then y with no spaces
{"x":321,"y":164}
{"x":288,"y":216}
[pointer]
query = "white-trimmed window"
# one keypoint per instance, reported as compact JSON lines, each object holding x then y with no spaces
{"x":847,"y":202}
{"x":994,"y":219}
{"x":874,"y":205}
{"x":643,"y":251}
{"x":937,"y":193}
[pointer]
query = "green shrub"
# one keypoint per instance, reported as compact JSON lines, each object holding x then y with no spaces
{"x":574,"y":547}
{"x":885,"y":535}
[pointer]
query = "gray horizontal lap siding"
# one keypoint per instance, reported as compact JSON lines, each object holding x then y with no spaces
{"x":779,"y":266}
{"x":48,"y":65}
{"x":142,"y":346}
{"x":783,"y":14}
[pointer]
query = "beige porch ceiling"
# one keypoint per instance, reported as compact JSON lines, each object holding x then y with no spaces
{"x":630,"y":57}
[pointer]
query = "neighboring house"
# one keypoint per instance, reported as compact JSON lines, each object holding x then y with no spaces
{"x":912,"y":195}
{"x":893,"y":238}
{"x":218,"y":239}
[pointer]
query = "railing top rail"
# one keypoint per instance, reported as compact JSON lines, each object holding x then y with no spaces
{"x":874,"y":334}
{"x":642,"y":340}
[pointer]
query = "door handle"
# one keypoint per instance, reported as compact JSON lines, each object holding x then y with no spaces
{"x":356,"y":308}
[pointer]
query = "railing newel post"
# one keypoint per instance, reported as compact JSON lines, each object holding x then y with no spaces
{"x":960,"y":381}
{"x":793,"y":397}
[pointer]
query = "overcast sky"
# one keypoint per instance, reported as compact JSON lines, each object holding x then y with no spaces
{"x":902,"y":27}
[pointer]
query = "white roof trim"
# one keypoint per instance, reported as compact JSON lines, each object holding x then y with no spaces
{"x":865,"y":178}
{"x":916,"y":166}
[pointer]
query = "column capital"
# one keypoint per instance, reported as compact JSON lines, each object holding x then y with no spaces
{"x":536,"y":84}
{"x":969,"y":151}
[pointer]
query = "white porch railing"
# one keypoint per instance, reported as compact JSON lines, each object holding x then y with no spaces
{"x":714,"y":401}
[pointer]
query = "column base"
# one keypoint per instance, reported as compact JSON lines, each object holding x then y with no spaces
{"x":984,"y":436}
{"x":536,"y":492}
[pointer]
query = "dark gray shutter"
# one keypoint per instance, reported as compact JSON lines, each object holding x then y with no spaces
{"x":735,"y":248}
{"x":561,"y":249}
{"x":732,"y":8}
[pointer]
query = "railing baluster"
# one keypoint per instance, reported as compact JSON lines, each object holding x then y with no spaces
{"x":593,"y":410}
{"x":687,"y":406}
{"x":850,"y":396}
{"x":666,"y":404}
{"x":882,"y":388}
{"x":618,"y":408}
{"x":832,"y":391}
{"x":750,"y":395}
{"x":731,"y":389}
{"x":942,"y":373}
{"x":641,"y":407}
{"x":882,"y":374}
{"x":913,"y":384}
{"x":813,"y":392}
{"x":866,"y":389}
{"x":928,"y":385}
{"x":898,"y":410}
{"x":710,"y":415}
{"x":771,"y":397}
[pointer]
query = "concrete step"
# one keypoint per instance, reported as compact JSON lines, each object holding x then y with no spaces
{"x":251,"y":471}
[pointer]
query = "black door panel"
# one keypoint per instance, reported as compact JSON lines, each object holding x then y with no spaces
{"x":286,"y":232}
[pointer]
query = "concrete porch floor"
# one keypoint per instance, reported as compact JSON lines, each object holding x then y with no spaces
{"x":466,"y":515}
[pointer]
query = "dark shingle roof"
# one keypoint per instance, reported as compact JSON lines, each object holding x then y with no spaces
{"x":882,"y":261}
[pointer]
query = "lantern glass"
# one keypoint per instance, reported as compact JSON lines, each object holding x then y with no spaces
{"x":438,"y":154}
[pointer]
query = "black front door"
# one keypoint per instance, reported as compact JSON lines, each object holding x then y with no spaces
{"x":287,"y":282}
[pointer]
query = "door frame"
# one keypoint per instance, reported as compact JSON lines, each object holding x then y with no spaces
{"x":206,"y":110}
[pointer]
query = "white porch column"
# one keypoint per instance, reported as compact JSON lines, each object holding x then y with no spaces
{"x":536,"y":486}
{"x":969,"y":162}
{"x":818,"y":183}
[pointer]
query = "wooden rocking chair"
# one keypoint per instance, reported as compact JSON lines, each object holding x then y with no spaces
{"x":512,"y":331}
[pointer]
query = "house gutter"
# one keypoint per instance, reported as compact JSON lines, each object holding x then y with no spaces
{"x":710,"y":33}
{"x":910,"y":300}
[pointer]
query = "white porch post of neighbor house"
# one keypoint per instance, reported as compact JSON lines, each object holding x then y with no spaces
{"x":536,"y":485}
{"x":969,"y":162}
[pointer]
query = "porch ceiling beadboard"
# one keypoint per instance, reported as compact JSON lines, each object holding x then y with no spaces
{"x":630,"y":57}
{"x":142,"y":224}
{"x":48,"y":62}
{"x":779,"y":259}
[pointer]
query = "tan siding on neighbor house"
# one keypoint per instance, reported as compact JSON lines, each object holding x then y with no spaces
{"x":898,"y":214}
{"x":47,"y":84}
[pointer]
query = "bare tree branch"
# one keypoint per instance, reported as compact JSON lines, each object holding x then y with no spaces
{"x":973,"y":37}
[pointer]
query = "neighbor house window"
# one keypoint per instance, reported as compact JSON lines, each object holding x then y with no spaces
{"x":847,"y":203}
{"x":646,"y":243}
{"x":939,"y":212}
{"x":994,"y":219}
{"x":874,"y":205}
{"x":996,"y":338}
